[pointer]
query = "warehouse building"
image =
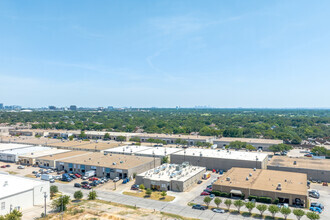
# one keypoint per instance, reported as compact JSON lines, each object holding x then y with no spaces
{"x":112,"y":135}
{"x":10,"y":146}
{"x":50,"y":160}
{"x":220,"y":159}
{"x":13,"y":155}
{"x":172,"y":177}
{"x":85,"y":145}
{"x":21,"y":193}
{"x":287,"y":187}
{"x":127,"y":149}
{"x":31,"y":157}
{"x":260,"y":144}
{"x":160,"y":152}
{"x":109,"y":165}
{"x":171,"y":138}
{"x":316,"y":169}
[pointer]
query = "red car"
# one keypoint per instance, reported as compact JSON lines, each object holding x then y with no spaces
{"x":86,"y":186}
{"x":77,"y":175}
{"x":213,"y":170}
{"x":4,"y":166}
{"x":205,"y":194}
{"x":93,"y":178}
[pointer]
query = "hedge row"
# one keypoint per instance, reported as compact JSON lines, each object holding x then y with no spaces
{"x":224,"y":194}
{"x":262,"y":199}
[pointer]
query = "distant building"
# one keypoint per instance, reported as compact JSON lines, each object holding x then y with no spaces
{"x":52,"y":107}
{"x":73,"y":107}
{"x":258,"y":143}
{"x":1,"y":105}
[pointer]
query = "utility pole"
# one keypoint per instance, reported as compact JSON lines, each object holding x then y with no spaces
{"x":45,"y":196}
{"x":153,"y":153}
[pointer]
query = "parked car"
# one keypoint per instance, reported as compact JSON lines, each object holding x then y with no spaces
{"x":84,"y":183}
{"x":7,"y":165}
{"x":218,"y":210}
{"x":212,"y":196}
{"x":93,"y":178}
{"x":205,"y":193}
{"x":34,"y":172}
{"x":324,"y":184}
{"x":86,"y":187}
{"x":318,"y":205}
{"x":116,"y":179}
{"x":315,"y":209}
{"x":77,"y":185}
{"x":314,"y":194}
{"x":21,"y":167}
{"x":200,"y":207}
{"x":4,"y":166}
{"x":38,"y":175}
{"x":77,"y":175}
{"x":84,"y":178}
{"x":52,"y":180}
{"x":93,"y":184}
{"x":135,"y":187}
{"x":199,"y":181}
{"x":209,"y":186}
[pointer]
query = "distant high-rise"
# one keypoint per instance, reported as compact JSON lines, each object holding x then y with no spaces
{"x":1,"y":105}
{"x":73,"y":107}
{"x":52,"y":107}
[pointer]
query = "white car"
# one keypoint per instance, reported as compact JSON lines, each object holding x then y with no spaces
{"x":85,"y":178}
{"x":116,"y":179}
{"x":21,"y":167}
{"x":218,"y":210}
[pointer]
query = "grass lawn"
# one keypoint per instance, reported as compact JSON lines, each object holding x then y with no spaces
{"x":30,"y":176}
{"x":154,"y":195}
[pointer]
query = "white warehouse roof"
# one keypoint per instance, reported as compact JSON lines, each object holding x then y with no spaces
{"x":10,"y":184}
{"x":27,"y":150}
{"x":127,"y":149}
{"x":9,"y":146}
{"x":158,"y":151}
{"x":224,"y":154}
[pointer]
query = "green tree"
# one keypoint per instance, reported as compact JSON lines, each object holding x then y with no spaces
{"x":78,"y":195}
{"x":250,"y":206}
{"x":319,"y":151}
{"x":228,"y":203}
{"x":285,"y":211}
{"x":13,"y":215}
{"x":135,"y":139}
{"x":262,"y":209}
{"x":207,"y":200}
{"x":273,"y":209}
{"x":250,"y":147}
{"x":53,"y":190}
{"x":71,"y":138}
{"x":165,"y":159}
{"x":142,"y":187}
{"x":121,"y":138}
{"x":217,"y":201}
{"x":237,"y":145}
{"x":61,"y":203}
{"x":106,"y":136}
{"x":82,"y":135}
{"x":313,"y":215}
{"x":299,"y":213}
{"x":92,"y":195}
{"x":238,"y":204}
{"x":149,"y":192}
{"x":164,"y":193}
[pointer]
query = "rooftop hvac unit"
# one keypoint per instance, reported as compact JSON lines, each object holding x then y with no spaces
{"x":279,"y":186}
{"x":294,"y":162}
{"x":254,"y":169}
{"x":247,"y":178}
{"x":250,"y":174}
{"x":114,"y":163}
{"x":228,"y":178}
{"x":90,"y":158}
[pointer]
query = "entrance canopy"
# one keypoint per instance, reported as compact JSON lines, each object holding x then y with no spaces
{"x":236,"y":192}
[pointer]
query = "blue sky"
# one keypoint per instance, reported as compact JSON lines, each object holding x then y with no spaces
{"x":165,"y":53}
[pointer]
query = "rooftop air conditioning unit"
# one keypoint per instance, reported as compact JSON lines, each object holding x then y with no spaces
{"x":228,"y":178}
{"x":279,"y":186}
{"x":294,"y":162}
{"x":254,"y":169}
{"x":247,"y":178}
{"x":250,"y":174}
{"x":113,"y":163}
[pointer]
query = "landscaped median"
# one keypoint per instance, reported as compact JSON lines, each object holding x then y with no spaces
{"x":155,"y":195}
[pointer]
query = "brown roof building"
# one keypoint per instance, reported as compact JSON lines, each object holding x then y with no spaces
{"x":287,"y":187}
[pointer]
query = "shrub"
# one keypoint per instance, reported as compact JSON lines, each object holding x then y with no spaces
{"x":252,"y":197}
{"x":264,"y":200}
{"x":276,"y":201}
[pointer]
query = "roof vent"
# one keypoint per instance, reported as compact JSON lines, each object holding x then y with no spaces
{"x":90,"y":158}
{"x":114,"y":163}
{"x":279,"y":186}
{"x":121,"y":162}
{"x":247,"y":178}
{"x":294,"y":162}
{"x":254,"y":169}
{"x":250,"y":174}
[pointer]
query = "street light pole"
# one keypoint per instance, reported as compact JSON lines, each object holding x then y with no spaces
{"x":45,"y":196}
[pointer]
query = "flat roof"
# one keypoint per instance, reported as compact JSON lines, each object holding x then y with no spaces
{"x":67,"y":143}
{"x":9,"y":146}
{"x":266,"y":180}
{"x":51,"y":151}
{"x":98,"y":145}
{"x":100,"y":160}
{"x":10,"y":184}
{"x":251,"y":140}
{"x":111,"y":133}
{"x":26,"y":150}
{"x":65,"y":155}
{"x":306,"y":163}
{"x":127,"y":149}
{"x":159,"y":151}
{"x":175,"y":136}
{"x":33,"y":140}
{"x":224,"y":154}
{"x":165,"y":171}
